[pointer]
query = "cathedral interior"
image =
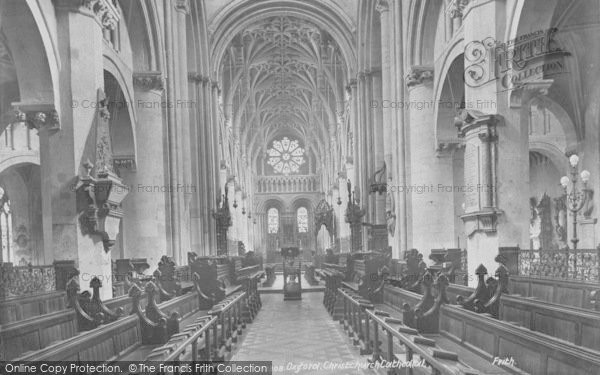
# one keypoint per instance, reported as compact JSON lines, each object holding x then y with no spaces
{"x":314,"y":187}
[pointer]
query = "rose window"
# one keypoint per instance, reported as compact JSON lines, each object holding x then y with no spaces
{"x":286,"y":156}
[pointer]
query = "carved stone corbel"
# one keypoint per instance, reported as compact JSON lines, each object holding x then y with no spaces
{"x":149,"y":81}
{"x":37,"y":116}
{"x":419,"y":75}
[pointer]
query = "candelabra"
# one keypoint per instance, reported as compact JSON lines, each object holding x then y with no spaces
{"x":575,"y":199}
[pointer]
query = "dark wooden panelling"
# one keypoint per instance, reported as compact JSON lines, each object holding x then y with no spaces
{"x":525,"y":359}
{"x":24,"y":307}
{"x":562,"y":292}
{"x":574,"y":325}
{"x":531,"y":350}
{"x":37,"y":333}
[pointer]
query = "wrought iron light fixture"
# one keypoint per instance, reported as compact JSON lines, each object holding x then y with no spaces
{"x":577,"y":197}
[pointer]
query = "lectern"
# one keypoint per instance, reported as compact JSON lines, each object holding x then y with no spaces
{"x":292,"y":265}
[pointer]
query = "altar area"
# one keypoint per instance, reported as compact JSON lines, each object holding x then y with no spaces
{"x":277,"y":286}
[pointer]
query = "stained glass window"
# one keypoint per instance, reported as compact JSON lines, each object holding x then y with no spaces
{"x":286,"y":156}
{"x":302,"y":218}
{"x":273,"y":220}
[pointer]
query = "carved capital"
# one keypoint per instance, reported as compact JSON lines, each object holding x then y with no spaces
{"x":105,"y":11}
{"x":457,"y":8}
{"x":419,"y":75}
{"x":148,"y":81}
{"x":468,"y":120}
{"x":447,"y":147}
{"x":182,"y":6}
{"x":528,"y":90}
{"x":196,"y":77}
{"x":382,"y":6}
{"x":39,"y":117}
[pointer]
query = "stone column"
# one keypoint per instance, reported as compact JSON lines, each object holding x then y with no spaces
{"x":497,"y":215}
{"x":45,"y":119}
{"x":183,"y":107}
{"x":379,"y":140}
{"x":393,"y":131}
{"x":145,"y":208}
{"x":198,"y":224}
{"x":431,"y":186}
{"x":79,"y":27}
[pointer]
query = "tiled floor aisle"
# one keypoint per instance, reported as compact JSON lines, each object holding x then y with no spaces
{"x":298,"y":336}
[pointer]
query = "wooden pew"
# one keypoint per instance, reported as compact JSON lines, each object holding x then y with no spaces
{"x":210,"y":337}
{"x":39,"y":332}
{"x":491,"y":338}
{"x":217,"y":277}
{"x":411,"y":269}
{"x":84,"y":312}
{"x":365,"y":322}
{"x":578,"y":326}
{"x":559,"y":291}
{"x":449,"y":262}
{"x":533,"y":352}
{"x":309,"y":274}
{"x":24,"y":294}
{"x":126,"y":272}
{"x":193,"y":343}
{"x":229,"y":313}
{"x":110,"y":341}
{"x":424,"y":316}
{"x":331,"y":300}
{"x":18,"y":308}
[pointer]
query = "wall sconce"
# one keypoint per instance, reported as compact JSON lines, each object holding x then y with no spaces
{"x":339,"y":201}
{"x":249,"y":215}
{"x":235,"y":205}
{"x":243,"y":210}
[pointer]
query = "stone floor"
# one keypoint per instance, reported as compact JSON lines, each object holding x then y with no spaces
{"x":300,"y":337}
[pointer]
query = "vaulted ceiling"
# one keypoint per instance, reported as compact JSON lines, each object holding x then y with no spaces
{"x":282,"y":76}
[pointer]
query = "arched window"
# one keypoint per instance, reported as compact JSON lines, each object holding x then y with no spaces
{"x":273,"y":220}
{"x":302,"y":219}
{"x":6,"y":254}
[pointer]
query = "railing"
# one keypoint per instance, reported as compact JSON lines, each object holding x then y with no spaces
{"x":580,"y":264}
{"x":288,"y":184}
{"x":230,"y":318}
{"x":178,"y":344}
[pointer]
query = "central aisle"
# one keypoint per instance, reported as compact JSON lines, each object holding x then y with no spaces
{"x":299,"y":337}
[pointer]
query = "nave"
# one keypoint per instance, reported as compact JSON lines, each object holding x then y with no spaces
{"x":300,"y":337}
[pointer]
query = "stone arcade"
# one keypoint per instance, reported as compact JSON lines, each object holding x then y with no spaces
{"x":434,"y":162}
